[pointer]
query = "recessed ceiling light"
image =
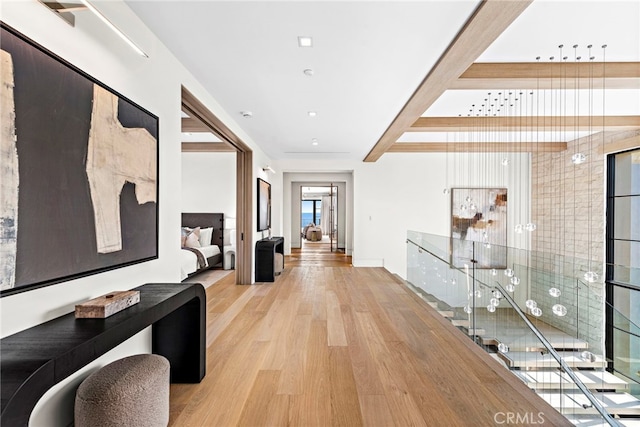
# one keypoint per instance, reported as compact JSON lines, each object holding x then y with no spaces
{"x":308,"y":72}
{"x":312,"y":113}
{"x":305,"y":41}
{"x":246,"y":114}
{"x":314,"y":141}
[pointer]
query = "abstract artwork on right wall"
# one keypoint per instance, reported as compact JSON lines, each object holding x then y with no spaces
{"x":479,"y":227}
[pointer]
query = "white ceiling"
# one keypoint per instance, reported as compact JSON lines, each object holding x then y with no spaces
{"x":368,"y":58}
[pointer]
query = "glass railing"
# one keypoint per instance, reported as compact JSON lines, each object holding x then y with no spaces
{"x":536,"y":319}
{"x":626,"y":342}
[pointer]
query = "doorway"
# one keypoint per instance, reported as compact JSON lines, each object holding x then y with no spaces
{"x":319,"y":218}
{"x":200,"y":118}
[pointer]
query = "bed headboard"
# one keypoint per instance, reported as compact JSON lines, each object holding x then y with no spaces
{"x":204,"y":220}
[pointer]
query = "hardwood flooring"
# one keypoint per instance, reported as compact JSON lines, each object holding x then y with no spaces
{"x":332,"y":345}
{"x":317,"y":254}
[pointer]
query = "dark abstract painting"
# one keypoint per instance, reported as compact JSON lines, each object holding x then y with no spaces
{"x":79,"y":187}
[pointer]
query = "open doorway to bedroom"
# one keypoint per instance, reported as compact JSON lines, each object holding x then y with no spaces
{"x":319,"y":217}
{"x":304,"y":193}
{"x":216,"y":181}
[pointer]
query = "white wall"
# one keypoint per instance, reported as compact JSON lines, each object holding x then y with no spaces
{"x":209,"y":183}
{"x":155,"y":84}
{"x":403,"y":192}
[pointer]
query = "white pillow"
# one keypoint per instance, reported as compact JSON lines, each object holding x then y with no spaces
{"x":205,"y":236}
{"x":193,"y":239}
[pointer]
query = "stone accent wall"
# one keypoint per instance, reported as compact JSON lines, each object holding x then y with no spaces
{"x":568,"y":207}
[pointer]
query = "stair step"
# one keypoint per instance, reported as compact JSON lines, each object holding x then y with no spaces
{"x":574,"y":403}
{"x":555,"y":380}
{"x":446,"y":313}
{"x":464,"y":324}
{"x":433,"y":304}
{"x":535,"y":360}
{"x":526,"y":341}
{"x":629,"y":422}
{"x":595,"y":420}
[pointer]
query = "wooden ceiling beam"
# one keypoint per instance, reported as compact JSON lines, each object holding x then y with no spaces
{"x":549,"y":75}
{"x":207,"y":147}
{"x":193,"y":125}
{"x":477,"y":147}
{"x":542,"y":123}
{"x":488,"y":21}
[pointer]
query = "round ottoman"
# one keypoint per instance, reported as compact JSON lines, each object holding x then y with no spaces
{"x":133,"y":391}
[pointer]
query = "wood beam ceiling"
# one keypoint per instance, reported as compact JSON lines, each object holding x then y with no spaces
{"x":543,"y":123}
{"x":477,"y":147}
{"x":550,"y":75}
{"x":207,"y":147}
{"x":488,"y":21}
{"x":193,"y":125}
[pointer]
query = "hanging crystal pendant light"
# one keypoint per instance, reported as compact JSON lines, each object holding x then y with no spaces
{"x":559,"y":310}
{"x":509,"y":272}
{"x":503,"y":348}
{"x":536,"y":311}
{"x":510,"y":287}
{"x":591,"y":276}
{"x":491,"y":308}
{"x":515,"y":280}
{"x":578,"y":158}
{"x":555,"y":292}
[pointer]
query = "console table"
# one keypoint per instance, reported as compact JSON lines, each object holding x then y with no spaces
{"x":34,"y":360}
{"x":266,"y":250}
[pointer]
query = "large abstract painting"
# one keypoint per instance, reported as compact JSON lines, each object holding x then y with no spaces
{"x":479,"y":227}
{"x":79,"y":175}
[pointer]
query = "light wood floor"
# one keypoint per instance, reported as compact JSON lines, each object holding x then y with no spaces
{"x":317,"y":254}
{"x":333,"y":345}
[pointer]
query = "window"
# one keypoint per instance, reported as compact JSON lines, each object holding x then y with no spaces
{"x":623,"y":261}
{"x":311,"y":212}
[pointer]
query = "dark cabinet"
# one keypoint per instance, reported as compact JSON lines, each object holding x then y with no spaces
{"x":269,"y":258}
{"x":34,"y":360}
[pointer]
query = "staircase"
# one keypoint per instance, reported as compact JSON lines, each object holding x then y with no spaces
{"x":528,"y":359}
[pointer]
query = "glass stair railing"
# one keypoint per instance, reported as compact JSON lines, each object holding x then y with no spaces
{"x":554,"y":350}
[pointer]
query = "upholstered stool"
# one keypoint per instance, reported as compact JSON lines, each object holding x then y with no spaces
{"x":133,"y":391}
{"x":278,"y":263}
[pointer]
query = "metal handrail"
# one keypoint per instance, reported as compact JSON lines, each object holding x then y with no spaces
{"x":594,"y":402}
{"x":552,"y":351}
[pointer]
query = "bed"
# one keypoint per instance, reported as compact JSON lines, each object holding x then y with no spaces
{"x":312,"y":232}
{"x":202,"y":242}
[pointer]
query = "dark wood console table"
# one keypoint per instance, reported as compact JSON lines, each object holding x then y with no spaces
{"x":34,"y":360}
{"x":266,"y":250}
